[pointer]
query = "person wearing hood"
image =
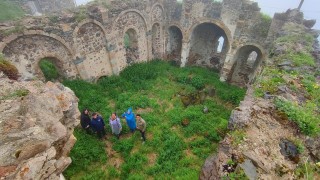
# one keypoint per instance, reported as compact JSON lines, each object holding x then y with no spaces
{"x":115,"y":124}
{"x":85,"y":121}
{"x":131,"y":120}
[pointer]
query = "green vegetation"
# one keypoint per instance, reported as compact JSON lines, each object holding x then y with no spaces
{"x":17,"y":93}
{"x":8,"y":69}
{"x":237,"y":137}
{"x":81,"y":14}
{"x":238,"y":174}
{"x":304,"y":117}
{"x":49,"y":70}
{"x":173,"y":149}
{"x":87,"y":151}
{"x":126,"y":40}
{"x":299,"y":144}
{"x":261,"y":28}
{"x":307,"y":170}
{"x":18,"y":28}
{"x":10,"y":11}
{"x":299,"y":80}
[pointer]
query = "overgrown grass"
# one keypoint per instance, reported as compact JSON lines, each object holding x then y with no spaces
{"x":9,"y":11}
{"x":299,"y":80}
{"x":304,"y":117}
{"x":86,"y":152}
{"x":49,"y":70}
{"x":172,"y":149}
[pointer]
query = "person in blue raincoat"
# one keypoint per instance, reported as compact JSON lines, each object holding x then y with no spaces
{"x":131,"y":119}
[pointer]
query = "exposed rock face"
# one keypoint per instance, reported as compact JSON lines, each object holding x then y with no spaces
{"x":264,"y":132}
{"x":36,"y":126}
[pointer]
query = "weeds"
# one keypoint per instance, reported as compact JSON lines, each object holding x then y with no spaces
{"x":154,"y":86}
{"x":49,"y":70}
{"x":304,"y":117}
{"x":237,"y":137}
{"x":8,"y":69}
{"x":87,"y":151}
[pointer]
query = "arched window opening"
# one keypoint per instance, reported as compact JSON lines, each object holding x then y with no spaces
{"x":208,"y":46}
{"x":50,"y":69}
{"x":174,"y":44}
{"x":247,"y":60}
{"x":131,"y":46}
{"x":220,"y":44}
{"x":156,"y":41}
{"x":252,"y":59}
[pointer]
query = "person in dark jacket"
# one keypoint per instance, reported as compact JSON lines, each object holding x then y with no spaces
{"x":97,"y":125}
{"x":85,"y":121}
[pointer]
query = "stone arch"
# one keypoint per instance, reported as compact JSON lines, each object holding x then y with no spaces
{"x":76,"y":29}
{"x":125,"y":15}
{"x":217,"y":23}
{"x":157,"y":41}
{"x":90,"y":43}
{"x":174,"y":45}
{"x":242,"y":72}
{"x":157,"y":13}
{"x":131,"y":46}
{"x":26,"y":50}
{"x":204,"y":43}
{"x":57,"y":63}
{"x":220,"y":44}
{"x":130,"y":19}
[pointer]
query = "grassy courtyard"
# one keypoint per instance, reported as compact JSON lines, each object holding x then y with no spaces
{"x":179,"y":136}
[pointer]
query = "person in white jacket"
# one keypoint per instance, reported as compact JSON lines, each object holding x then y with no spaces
{"x":115,"y":124}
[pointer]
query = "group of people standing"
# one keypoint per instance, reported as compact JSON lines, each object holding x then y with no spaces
{"x":96,"y":123}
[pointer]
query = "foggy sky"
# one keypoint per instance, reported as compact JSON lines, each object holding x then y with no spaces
{"x":310,"y":7}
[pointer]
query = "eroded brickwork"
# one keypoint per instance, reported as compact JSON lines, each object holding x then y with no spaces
{"x":90,"y":43}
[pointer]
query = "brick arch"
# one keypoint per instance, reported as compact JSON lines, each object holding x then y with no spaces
{"x":27,"y":49}
{"x":241,"y":74}
{"x":88,"y":21}
{"x":157,"y":40}
{"x":90,"y":43}
{"x":115,"y":23}
{"x":56,"y":60}
{"x":13,"y":37}
{"x":218,"y":23}
{"x":174,"y":43}
{"x":130,"y":19}
{"x":152,"y":12}
{"x":203,"y":40}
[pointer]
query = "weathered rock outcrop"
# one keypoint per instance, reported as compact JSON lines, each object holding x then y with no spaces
{"x":266,"y":142}
{"x":264,"y":133}
{"x":36,"y":129}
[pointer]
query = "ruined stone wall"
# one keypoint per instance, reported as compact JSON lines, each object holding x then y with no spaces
{"x":49,"y":6}
{"x":89,"y":43}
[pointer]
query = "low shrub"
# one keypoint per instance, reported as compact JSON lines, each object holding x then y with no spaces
{"x":307,"y":121}
{"x":8,"y":69}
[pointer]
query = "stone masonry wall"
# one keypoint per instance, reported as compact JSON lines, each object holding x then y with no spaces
{"x":89,"y":43}
{"x":49,"y":6}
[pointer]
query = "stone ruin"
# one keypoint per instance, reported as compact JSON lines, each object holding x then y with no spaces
{"x":103,"y":39}
{"x":38,"y":7}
